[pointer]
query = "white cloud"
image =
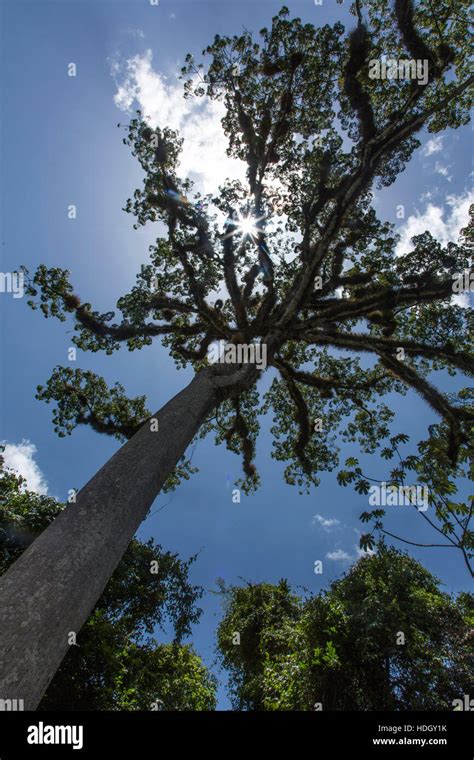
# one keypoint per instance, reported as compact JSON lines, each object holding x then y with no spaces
{"x":429,"y":195}
{"x":443,"y":226}
{"x":433,"y":146}
{"x":443,"y":170}
{"x":198,"y":120}
{"x":339,"y":556}
{"x":325,"y":523}
{"x":20,"y":457}
{"x":363,"y":552}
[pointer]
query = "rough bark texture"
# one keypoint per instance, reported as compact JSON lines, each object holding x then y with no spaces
{"x":51,"y":589}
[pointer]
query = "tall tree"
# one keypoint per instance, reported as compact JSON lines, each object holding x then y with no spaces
{"x":384,"y":637}
{"x":113,"y":662}
{"x":298,"y":234}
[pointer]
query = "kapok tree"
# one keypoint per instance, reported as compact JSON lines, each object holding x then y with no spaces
{"x":116,"y":664}
{"x":310,"y":274}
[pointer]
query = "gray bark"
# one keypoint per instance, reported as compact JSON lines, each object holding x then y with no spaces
{"x":51,"y":589}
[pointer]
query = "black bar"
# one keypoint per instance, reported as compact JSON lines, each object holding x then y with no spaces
{"x":445,"y":734}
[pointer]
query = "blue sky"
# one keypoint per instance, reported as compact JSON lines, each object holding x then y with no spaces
{"x":61,"y":146}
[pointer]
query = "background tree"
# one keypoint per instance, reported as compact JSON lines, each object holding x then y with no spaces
{"x":300,"y":233}
{"x":116,"y":664}
{"x":259,"y":620}
{"x":384,"y":637}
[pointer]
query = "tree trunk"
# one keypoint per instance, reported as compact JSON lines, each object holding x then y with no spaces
{"x":51,"y":589}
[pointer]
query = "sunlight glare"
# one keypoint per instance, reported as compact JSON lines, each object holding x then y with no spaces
{"x":247,"y":226}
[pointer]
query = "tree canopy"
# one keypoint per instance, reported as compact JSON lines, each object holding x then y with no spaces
{"x":449,"y":515}
{"x":310,"y":272}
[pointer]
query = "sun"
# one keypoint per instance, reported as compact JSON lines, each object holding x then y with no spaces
{"x":247,"y":226}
